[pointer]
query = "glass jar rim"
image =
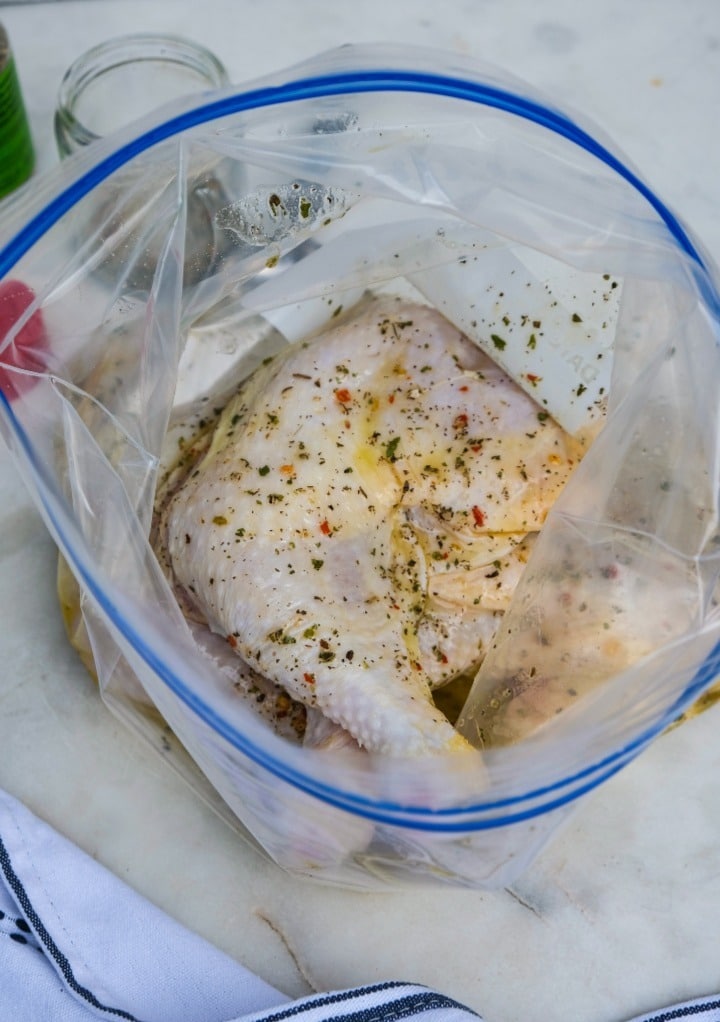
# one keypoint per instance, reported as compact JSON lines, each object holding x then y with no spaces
{"x":118,"y":52}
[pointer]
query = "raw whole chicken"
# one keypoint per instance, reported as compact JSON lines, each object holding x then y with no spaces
{"x":356,"y":520}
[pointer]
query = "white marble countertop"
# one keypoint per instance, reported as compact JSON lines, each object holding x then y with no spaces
{"x":619,"y":915}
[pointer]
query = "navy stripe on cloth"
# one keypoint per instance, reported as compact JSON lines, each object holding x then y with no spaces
{"x":420,"y":1000}
{"x":683,"y":1011}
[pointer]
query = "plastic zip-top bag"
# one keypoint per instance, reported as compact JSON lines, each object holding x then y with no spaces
{"x":372,"y":408}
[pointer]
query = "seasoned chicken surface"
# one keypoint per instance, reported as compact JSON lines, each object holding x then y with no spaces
{"x":360,"y":515}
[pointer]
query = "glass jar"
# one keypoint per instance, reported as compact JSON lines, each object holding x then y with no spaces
{"x":16,"y":149}
{"x":122,"y":79}
{"x":108,"y":88}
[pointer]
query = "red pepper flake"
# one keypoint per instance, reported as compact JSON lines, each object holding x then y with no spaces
{"x":417,"y":666}
{"x":478,"y":515}
{"x":460,"y":421}
{"x":391,"y":399}
{"x":533,"y":378}
{"x":232,"y":641}
{"x":325,"y":527}
{"x":464,"y":388}
{"x":343,"y":396}
{"x":309,"y":678}
{"x":287,"y":470}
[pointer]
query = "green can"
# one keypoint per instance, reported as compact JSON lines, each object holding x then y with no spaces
{"x":17,"y":157}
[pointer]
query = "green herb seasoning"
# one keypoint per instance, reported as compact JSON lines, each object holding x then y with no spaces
{"x":16,"y":151}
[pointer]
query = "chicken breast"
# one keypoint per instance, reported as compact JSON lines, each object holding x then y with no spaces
{"x":358,"y":518}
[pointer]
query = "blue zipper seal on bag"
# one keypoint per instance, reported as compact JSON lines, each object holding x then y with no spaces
{"x":333,"y":85}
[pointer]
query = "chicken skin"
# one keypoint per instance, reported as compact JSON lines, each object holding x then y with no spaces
{"x":358,"y":518}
